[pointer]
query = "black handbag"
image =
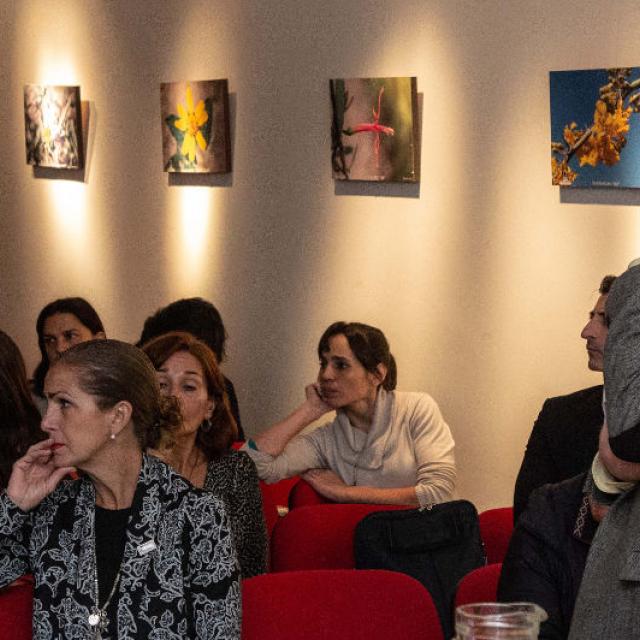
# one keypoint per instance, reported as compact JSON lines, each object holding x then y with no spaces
{"x":437,"y":546}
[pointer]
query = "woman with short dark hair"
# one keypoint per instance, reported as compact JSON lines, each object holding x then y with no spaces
{"x":200,"y":450}
{"x":384,"y":446}
{"x":130,"y":549}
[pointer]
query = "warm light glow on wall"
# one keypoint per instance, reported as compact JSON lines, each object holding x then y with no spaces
{"x":55,"y":68}
{"x":196,"y":202}
{"x":71,"y":249}
{"x":193,"y":238}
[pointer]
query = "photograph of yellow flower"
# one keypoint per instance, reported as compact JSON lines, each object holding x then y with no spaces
{"x":195,"y":126}
{"x":374,"y":133}
{"x":595,"y":131}
{"x":53,"y":126}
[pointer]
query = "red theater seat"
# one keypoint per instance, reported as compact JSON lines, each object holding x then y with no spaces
{"x":480,"y":585}
{"x":496,"y":527}
{"x":275,"y":499}
{"x":16,"y":605}
{"x":337,"y":605}
{"x":319,"y":536}
{"x":303,"y":495}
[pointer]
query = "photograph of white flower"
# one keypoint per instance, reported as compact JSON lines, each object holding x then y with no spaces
{"x":53,"y":126}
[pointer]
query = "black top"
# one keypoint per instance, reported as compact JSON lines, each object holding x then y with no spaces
{"x":562,"y":444}
{"x":548,"y":553}
{"x":111,"y":536}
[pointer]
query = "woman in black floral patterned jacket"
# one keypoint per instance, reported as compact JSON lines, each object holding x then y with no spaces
{"x":130,"y":550}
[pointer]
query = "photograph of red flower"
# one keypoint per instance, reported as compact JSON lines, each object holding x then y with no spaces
{"x":195,"y":126}
{"x":374,"y":132}
{"x":53,"y":127}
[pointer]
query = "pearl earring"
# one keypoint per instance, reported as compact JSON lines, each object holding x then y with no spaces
{"x":113,"y":436}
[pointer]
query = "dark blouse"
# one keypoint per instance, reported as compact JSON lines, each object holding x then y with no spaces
{"x":234,"y":479}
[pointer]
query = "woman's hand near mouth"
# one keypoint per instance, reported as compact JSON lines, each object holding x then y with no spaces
{"x":35,"y":476}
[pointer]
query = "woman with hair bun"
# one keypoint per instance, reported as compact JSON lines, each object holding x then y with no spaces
{"x":130,"y":549}
{"x":384,"y":446}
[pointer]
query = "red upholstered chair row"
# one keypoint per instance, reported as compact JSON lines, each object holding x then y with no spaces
{"x":16,"y":604}
{"x":337,"y":605}
{"x":496,"y":527}
{"x":318,"y":536}
{"x":481,"y":585}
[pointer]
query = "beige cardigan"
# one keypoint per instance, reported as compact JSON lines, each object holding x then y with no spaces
{"x":409,"y":443}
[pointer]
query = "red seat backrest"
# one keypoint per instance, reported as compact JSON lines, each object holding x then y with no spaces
{"x":480,"y":585}
{"x":303,"y":495}
{"x":16,"y":606}
{"x":275,"y":498}
{"x":319,"y":536}
{"x":496,"y":527}
{"x":337,"y":604}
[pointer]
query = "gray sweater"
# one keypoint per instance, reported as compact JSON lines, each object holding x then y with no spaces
{"x":409,"y":443}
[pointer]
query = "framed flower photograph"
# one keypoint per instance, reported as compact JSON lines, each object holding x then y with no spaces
{"x":374,"y":133}
{"x":595,"y":127}
{"x":53,"y":126}
{"x":195,"y":126}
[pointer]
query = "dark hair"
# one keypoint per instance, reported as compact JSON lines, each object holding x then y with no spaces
{"x":193,"y":315}
{"x":19,"y":417}
{"x":215,"y":441}
{"x":369,"y":346}
{"x":78,"y":307}
{"x":605,"y":285}
{"x":113,"y":371}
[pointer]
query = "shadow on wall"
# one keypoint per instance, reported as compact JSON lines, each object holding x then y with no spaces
{"x":624,"y":197}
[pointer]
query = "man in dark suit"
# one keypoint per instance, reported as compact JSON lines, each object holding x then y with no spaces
{"x":565,"y":435}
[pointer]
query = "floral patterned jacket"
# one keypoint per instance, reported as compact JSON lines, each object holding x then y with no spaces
{"x":185,"y":587}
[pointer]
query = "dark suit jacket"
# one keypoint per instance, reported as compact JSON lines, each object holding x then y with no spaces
{"x":546,"y":557}
{"x":562,"y":444}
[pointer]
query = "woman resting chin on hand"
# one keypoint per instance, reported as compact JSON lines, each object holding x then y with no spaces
{"x":383,"y":447}
{"x":131,"y":549}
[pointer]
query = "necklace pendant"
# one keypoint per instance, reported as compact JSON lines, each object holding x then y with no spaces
{"x":94,"y":619}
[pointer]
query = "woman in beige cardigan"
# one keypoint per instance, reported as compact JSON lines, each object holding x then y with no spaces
{"x":384,"y":446}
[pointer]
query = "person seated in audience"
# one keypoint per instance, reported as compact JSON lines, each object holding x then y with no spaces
{"x":131,"y":549}
{"x":565,"y":435}
{"x":19,"y":417}
{"x":202,"y":320}
{"x":551,"y":541}
{"x":201,"y":449}
{"x":61,"y":324}
{"x":609,"y":597}
{"x":384,"y":446}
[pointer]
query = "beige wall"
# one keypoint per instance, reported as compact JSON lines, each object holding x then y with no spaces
{"x":481,"y":277}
